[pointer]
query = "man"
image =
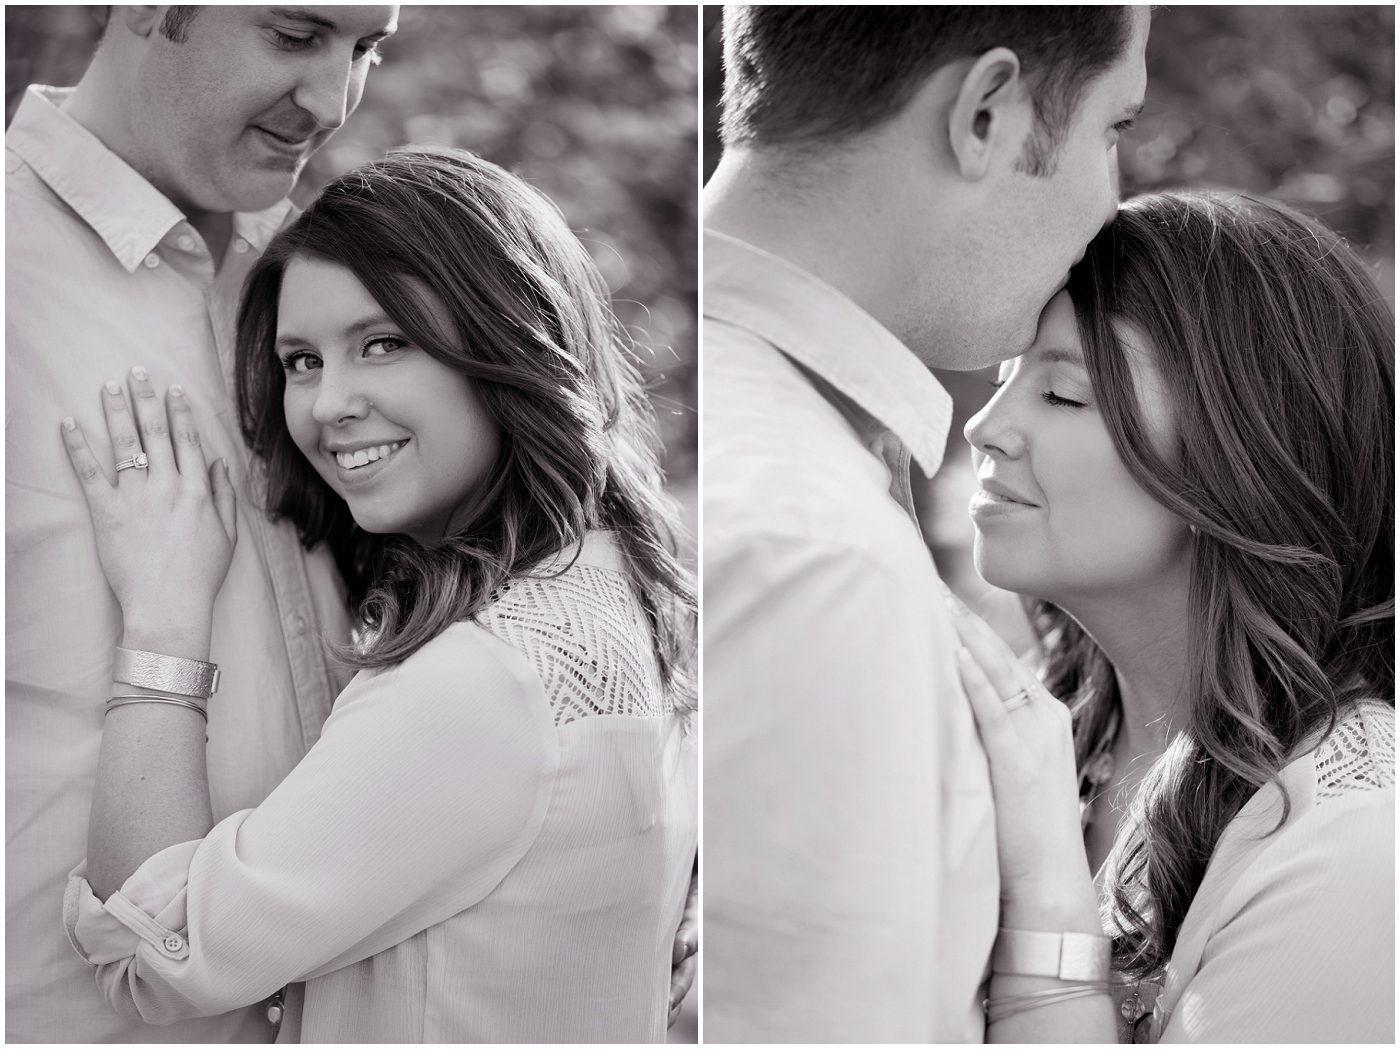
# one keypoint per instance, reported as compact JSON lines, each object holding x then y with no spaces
{"x":135,"y":204}
{"x":902,"y":188}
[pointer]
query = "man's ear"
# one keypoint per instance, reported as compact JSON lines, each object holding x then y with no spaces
{"x":138,"y":19}
{"x":983,"y":110}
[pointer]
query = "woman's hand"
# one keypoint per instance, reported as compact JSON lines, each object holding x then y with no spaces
{"x":165,"y":532}
{"x":685,"y":948}
{"x":1045,"y":878}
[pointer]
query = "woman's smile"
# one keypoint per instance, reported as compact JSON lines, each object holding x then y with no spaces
{"x":356,"y":460}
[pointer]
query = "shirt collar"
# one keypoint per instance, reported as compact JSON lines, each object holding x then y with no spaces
{"x":827,"y":333}
{"x":127,"y":212}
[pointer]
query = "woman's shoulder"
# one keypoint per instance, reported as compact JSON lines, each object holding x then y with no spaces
{"x":1358,"y":755}
{"x":579,"y":624}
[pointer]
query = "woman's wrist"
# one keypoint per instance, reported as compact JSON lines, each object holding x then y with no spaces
{"x":168,"y":635}
{"x":1065,"y":906}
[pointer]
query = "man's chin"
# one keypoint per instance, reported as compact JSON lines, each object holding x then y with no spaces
{"x":262,"y":188}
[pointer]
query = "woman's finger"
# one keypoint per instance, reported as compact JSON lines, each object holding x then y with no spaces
{"x":225,"y":502}
{"x":988,"y":708}
{"x":121,"y":426}
{"x":184,"y":437}
{"x":94,"y":482}
{"x":151,"y":423}
{"x":991,"y":653}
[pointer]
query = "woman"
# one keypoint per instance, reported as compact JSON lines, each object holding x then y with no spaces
{"x":492,"y":838}
{"x":1191,"y":471}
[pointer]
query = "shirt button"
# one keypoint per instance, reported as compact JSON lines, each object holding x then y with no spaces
{"x":152,"y":261}
{"x":298,"y":624}
{"x":240,"y":245}
{"x":186,"y":242}
{"x":173,"y":943}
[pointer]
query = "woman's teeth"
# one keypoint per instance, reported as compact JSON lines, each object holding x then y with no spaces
{"x":364,"y":456}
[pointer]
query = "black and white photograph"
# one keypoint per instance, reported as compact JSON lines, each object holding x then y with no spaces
{"x":1047,"y":443}
{"x":350,"y":505}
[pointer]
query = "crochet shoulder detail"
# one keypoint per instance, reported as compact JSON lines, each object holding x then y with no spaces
{"x":1360,"y":752}
{"x":587,"y":636}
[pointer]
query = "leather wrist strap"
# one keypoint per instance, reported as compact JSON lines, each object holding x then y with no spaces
{"x":181,"y":677}
{"x":1063,"y":955}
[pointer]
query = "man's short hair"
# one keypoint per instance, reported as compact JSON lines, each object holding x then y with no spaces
{"x":808,"y":75}
{"x":175,"y":26}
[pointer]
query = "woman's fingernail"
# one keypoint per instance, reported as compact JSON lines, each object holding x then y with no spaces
{"x":176,"y":390}
{"x":964,"y":655}
{"x":114,"y":387}
{"x":69,"y":424}
{"x":139,"y":373}
{"x":954,"y":605}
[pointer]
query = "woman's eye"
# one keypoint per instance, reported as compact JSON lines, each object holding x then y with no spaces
{"x":1051,"y":397}
{"x":289,"y":42}
{"x":383,"y":345}
{"x":301,"y":362}
{"x":372,"y":50}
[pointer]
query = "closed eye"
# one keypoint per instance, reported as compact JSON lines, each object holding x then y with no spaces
{"x":1053,"y":398}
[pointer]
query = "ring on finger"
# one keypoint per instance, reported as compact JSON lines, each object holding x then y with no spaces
{"x":136,"y":462}
{"x":1020,"y":699}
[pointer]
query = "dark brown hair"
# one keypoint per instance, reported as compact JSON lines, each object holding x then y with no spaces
{"x":1276,"y":348}
{"x":533,"y":332}
{"x":796,"y":75}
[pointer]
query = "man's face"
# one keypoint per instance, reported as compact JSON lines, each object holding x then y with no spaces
{"x":1013,"y":248}
{"x":229,"y":116}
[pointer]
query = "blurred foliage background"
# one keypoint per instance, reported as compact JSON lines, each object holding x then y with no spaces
{"x":596,"y":106}
{"x":1295,"y":103}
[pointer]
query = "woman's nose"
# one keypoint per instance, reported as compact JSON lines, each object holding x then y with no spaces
{"x":338,"y":400}
{"x":994,"y":430}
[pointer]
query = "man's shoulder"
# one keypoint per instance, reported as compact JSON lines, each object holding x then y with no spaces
{"x":781,"y":460}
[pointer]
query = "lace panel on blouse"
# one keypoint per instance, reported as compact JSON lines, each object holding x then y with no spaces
{"x":1360,"y":752}
{"x":586,"y":635}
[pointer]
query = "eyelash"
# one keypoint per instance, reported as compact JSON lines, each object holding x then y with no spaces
{"x":1052,"y":398}
{"x":289,"y":363}
{"x":1125,"y":125}
{"x":302,"y":43}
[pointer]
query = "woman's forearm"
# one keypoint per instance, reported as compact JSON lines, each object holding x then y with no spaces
{"x":1066,"y":903}
{"x":152,"y":787}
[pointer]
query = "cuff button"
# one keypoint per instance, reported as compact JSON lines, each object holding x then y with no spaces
{"x":173,"y":943}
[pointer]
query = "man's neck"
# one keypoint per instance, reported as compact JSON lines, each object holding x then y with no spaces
{"x":824,"y":220}
{"x":91,"y":105}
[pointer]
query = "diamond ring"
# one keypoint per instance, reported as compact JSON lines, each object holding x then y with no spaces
{"x":136,"y":462}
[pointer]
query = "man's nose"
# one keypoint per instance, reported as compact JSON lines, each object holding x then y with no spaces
{"x":324,"y":90}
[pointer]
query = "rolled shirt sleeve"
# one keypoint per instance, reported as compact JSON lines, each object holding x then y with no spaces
{"x":429,"y":782}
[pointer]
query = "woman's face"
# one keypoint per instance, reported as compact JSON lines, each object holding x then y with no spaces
{"x":400,"y":436}
{"x":1058,"y":515}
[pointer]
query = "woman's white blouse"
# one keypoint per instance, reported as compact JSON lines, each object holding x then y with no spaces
{"x":490,"y":842}
{"x":1291,"y":936}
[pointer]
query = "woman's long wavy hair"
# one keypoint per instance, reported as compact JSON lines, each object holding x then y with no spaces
{"x":532,"y":329}
{"x":1277,"y":351}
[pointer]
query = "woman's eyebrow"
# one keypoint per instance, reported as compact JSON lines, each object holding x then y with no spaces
{"x":1055,"y":355}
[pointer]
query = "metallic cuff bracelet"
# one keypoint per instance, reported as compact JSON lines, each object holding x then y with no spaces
{"x":1065,"y":955}
{"x":183,"y":677}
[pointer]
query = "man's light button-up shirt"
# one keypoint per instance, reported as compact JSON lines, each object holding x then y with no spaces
{"x":851,"y":883}
{"x":86,"y":299}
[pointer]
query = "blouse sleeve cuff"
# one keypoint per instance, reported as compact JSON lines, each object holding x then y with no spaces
{"x":149,"y":907}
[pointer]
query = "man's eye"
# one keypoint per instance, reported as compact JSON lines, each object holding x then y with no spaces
{"x":289,"y":42}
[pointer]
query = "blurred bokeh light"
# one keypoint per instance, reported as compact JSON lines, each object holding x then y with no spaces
{"x":596,"y":106}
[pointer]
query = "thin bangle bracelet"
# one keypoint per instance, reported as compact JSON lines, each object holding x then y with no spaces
{"x":998,"y":1009}
{"x":122,"y":701}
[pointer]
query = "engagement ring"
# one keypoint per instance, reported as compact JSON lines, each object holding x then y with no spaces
{"x":1020,"y":699}
{"x":136,"y":462}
